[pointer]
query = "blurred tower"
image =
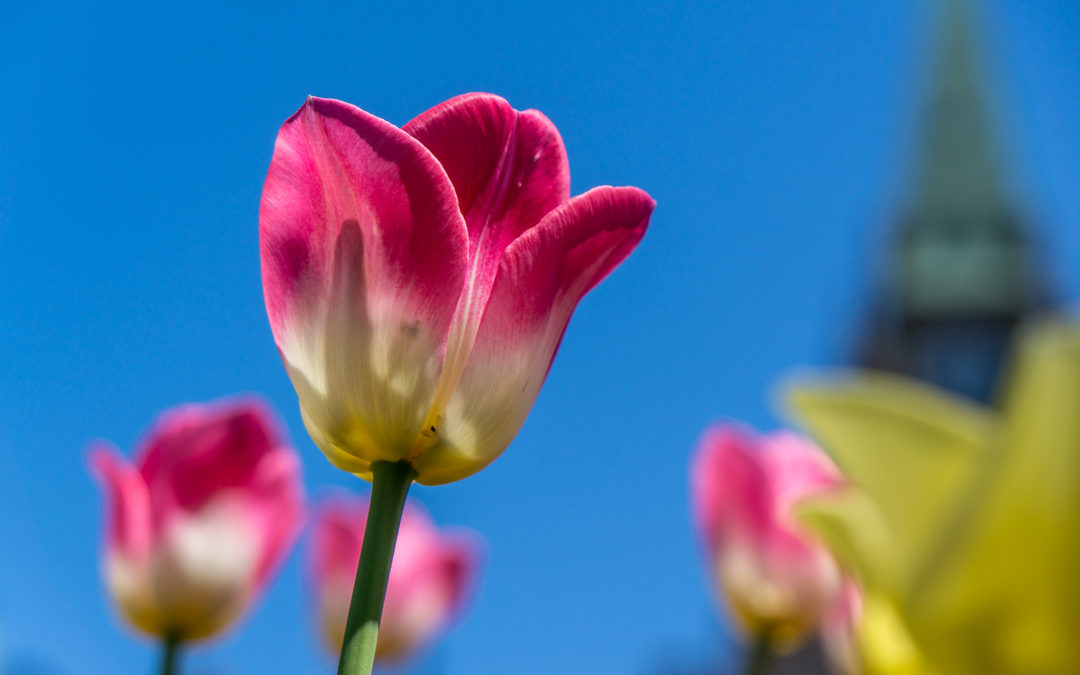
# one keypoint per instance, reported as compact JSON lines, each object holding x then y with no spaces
{"x":960,"y":271}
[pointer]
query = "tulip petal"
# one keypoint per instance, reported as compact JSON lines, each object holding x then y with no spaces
{"x":363,"y":258}
{"x":336,"y":537}
{"x":431,"y":578}
{"x":852,"y":528}
{"x":840,"y":631}
{"x":205,"y":569}
{"x":1041,"y":417}
{"x":731,"y":490}
{"x":910,"y":447}
{"x":773,"y":576}
{"x":1016,"y":556}
{"x":509,"y":170}
{"x":129,"y":539}
{"x":541,"y":278}
{"x":277,"y":508}
{"x":459,"y":565}
{"x":209,"y":509}
{"x":194,"y":452}
{"x":128,"y":523}
{"x":745,"y":486}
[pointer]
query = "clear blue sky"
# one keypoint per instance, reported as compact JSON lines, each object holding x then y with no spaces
{"x":134,"y":139}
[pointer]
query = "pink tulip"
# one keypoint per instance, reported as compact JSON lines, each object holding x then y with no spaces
{"x":198,"y":523}
{"x":774,"y":577}
{"x":431,"y":578}
{"x":840,"y":631}
{"x":419,"y":280}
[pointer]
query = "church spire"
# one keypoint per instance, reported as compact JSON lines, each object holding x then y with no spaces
{"x":960,"y":276}
{"x":961,"y":251}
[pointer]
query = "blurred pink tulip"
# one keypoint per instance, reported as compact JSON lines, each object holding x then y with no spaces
{"x":431,"y":579}
{"x":419,"y":280}
{"x":198,"y":523}
{"x":775,"y":578}
{"x":840,"y":631}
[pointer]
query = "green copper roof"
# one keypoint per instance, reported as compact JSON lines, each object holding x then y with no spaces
{"x":961,"y":253}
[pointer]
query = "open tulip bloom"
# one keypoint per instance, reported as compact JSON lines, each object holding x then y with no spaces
{"x":196,"y":526}
{"x":418,"y":282}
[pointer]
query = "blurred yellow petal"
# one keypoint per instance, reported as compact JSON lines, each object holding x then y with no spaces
{"x":972,"y":567}
{"x":914,"y":449}
{"x":852,"y":528}
{"x":1014,"y":577}
{"x":887,"y":647}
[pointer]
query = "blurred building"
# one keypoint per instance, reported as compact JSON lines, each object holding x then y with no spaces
{"x":961,"y":272}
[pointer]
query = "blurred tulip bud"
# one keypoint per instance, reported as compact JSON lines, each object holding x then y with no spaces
{"x":431,"y":578}
{"x":775,"y":579}
{"x":195,"y":527}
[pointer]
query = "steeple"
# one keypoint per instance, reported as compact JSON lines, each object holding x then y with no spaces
{"x":961,"y":251}
{"x":960,"y":268}
{"x":959,"y":165}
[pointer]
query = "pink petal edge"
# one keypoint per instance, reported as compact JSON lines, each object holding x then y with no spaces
{"x":127,"y":524}
{"x":541,"y":279}
{"x":334,"y":165}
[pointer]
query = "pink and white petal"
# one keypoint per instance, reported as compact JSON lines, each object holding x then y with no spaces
{"x":429,"y":586}
{"x":803,"y":467}
{"x":733,"y":494}
{"x":336,"y":455}
{"x":205,"y":568}
{"x":509,"y":170}
{"x":198,"y":451}
{"x":541,"y":278}
{"x":796,"y":468}
{"x":275,"y":505}
{"x":461,"y":556}
{"x":127,"y":524}
{"x":364,"y":257}
{"x":164,"y":445}
{"x":840,"y":630}
{"x":337,"y":533}
{"x":417,"y":539}
{"x":129,"y":539}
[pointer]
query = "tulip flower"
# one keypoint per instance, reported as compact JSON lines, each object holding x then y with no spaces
{"x":432,"y":576}
{"x":840,"y":630}
{"x":198,"y":523}
{"x":964,"y":525}
{"x":778,"y":580}
{"x":418,"y":282}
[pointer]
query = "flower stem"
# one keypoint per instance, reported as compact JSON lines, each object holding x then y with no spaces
{"x":170,"y":655}
{"x":761,"y":659}
{"x":389,"y":485}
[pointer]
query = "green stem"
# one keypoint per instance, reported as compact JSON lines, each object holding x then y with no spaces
{"x":761,"y":659}
{"x":389,"y":485}
{"x":170,"y":655}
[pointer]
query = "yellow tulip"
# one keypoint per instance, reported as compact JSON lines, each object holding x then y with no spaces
{"x":964,"y":525}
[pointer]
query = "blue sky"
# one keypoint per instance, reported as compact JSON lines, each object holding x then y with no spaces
{"x":134,"y":140}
